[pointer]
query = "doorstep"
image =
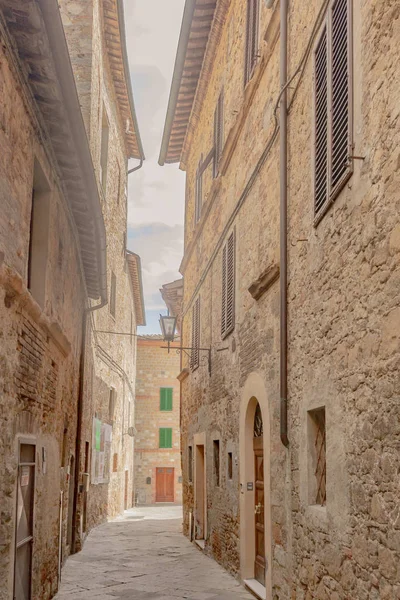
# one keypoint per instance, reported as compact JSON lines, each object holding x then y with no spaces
{"x":200,"y":543}
{"x":256,"y":588}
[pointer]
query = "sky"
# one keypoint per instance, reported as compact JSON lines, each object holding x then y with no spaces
{"x":155,"y":194}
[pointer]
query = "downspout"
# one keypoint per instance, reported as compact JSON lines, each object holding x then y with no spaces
{"x":140,"y":165}
{"x":283,"y":226}
{"x":79,"y":418}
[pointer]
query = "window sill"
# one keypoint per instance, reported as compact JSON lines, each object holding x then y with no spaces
{"x":317,"y":516}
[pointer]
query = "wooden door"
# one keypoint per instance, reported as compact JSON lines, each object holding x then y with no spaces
{"x":24,"y":522}
{"x":165,"y":484}
{"x":259,"y":565}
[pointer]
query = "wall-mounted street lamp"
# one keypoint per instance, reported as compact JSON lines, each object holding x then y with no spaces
{"x":168,"y":330}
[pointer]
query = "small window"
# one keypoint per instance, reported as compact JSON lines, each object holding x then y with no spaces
{"x":216,"y":462}
{"x":333,"y":141}
{"x":39,"y":235}
{"x":230,"y":465}
{"x":228,"y":286}
{"x":166,"y":399}
{"x":111,"y":404}
{"x":115,"y":462}
{"x":251,"y":50}
{"x":113,"y":294}
{"x":198,"y":196}
{"x":218,"y":133}
{"x":105,"y":134}
{"x":317,"y":448}
{"x":165,"y":437}
{"x":190,"y":464}
{"x":195,"y":356}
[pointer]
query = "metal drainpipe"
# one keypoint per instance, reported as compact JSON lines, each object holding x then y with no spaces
{"x":283,"y":225}
{"x":140,"y":165}
{"x":79,"y":418}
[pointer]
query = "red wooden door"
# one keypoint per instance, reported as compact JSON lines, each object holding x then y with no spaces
{"x":165,"y":484}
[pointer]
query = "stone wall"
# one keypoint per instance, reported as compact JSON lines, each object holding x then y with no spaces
{"x":156,"y":368}
{"x":39,"y":348}
{"x":343,"y":311}
{"x":110,"y":358}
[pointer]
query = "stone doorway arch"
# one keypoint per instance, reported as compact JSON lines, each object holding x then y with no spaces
{"x":254,"y":394}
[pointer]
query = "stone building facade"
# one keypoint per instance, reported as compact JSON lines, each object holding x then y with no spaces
{"x":294,"y":493}
{"x":52,"y":265}
{"x":95,"y":32}
{"x":158,"y":474}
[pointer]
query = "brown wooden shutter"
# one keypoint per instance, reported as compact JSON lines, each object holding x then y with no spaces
{"x":340,"y":74}
{"x":198,"y":192}
{"x":321,"y":122}
{"x":218,"y":132}
{"x":195,"y":356}
{"x":251,"y":38}
{"x":333,"y":107}
{"x":228,"y":286}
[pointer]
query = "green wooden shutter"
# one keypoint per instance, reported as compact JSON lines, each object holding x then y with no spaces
{"x":166,"y":398}
{"x":165,"y":437}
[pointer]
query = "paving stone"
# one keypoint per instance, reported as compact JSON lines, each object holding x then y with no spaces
{"x":145,"y":558}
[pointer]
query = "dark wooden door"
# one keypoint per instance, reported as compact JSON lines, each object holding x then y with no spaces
{"x":259,"y":566}
{"x":165,"y":484}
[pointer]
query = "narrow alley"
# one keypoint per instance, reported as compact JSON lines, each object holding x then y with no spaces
{"x":144,"y":556}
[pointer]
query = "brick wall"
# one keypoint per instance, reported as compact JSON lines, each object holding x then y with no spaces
{"x":156,"y":369}
{"x":39,"y":348}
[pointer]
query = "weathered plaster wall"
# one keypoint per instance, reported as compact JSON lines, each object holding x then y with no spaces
{"x":155,"y":369}
{"x":39,"y":349}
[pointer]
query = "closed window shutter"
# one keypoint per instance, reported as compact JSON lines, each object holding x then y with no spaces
{"x":218,"y":132}
{"x":198,"y":192}
{"x":321,"y":122}
{"x":162,"y":438}
{"x":169,"y":438}
{"x":333,"y":107}
{"x":195,"y":334}
{"x":165,"y":437}
{"x":223,"y":315}
{"x":228,"y":286}
{"x":251,"y":38}
{"x":166,"y":398}
{"x":340,"y":74}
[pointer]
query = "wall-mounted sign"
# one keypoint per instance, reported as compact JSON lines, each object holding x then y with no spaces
{"x":249,"y":486}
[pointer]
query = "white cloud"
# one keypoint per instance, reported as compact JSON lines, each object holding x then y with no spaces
{"x":156,"y":194}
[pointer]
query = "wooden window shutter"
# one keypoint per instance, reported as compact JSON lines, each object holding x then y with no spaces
{"x":195,"y":356}
{"x":251,"y":38}
{"x":165,"y":434}
{"x":198,"y":192}
{"x":166,"y":399}
{"x":333,"y":107}
{"x":340,"y":86}
{"x":228,"y":286}
{"x":321,"y":122}
{"x":218,"y":132}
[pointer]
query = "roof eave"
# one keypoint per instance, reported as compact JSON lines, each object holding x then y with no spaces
{"x":188,"y":13}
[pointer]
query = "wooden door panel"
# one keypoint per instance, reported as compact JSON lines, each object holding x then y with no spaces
{"x":165,"y":485}
{"x":259,"y":565}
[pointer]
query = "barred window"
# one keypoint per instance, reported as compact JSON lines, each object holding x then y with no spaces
{"x":228,"y":286}
{"x":318,"y":452}
{"x":333,"y":141}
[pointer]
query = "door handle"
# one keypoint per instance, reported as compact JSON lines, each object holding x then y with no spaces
{"x":257,"y":510}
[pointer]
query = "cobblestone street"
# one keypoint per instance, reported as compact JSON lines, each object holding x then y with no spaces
{"x":144,"y":556}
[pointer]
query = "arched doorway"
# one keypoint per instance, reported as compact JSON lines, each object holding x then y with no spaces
{"x":255,"y":501}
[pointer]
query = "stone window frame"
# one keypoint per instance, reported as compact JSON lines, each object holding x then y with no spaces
{"x":317,"y":463}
